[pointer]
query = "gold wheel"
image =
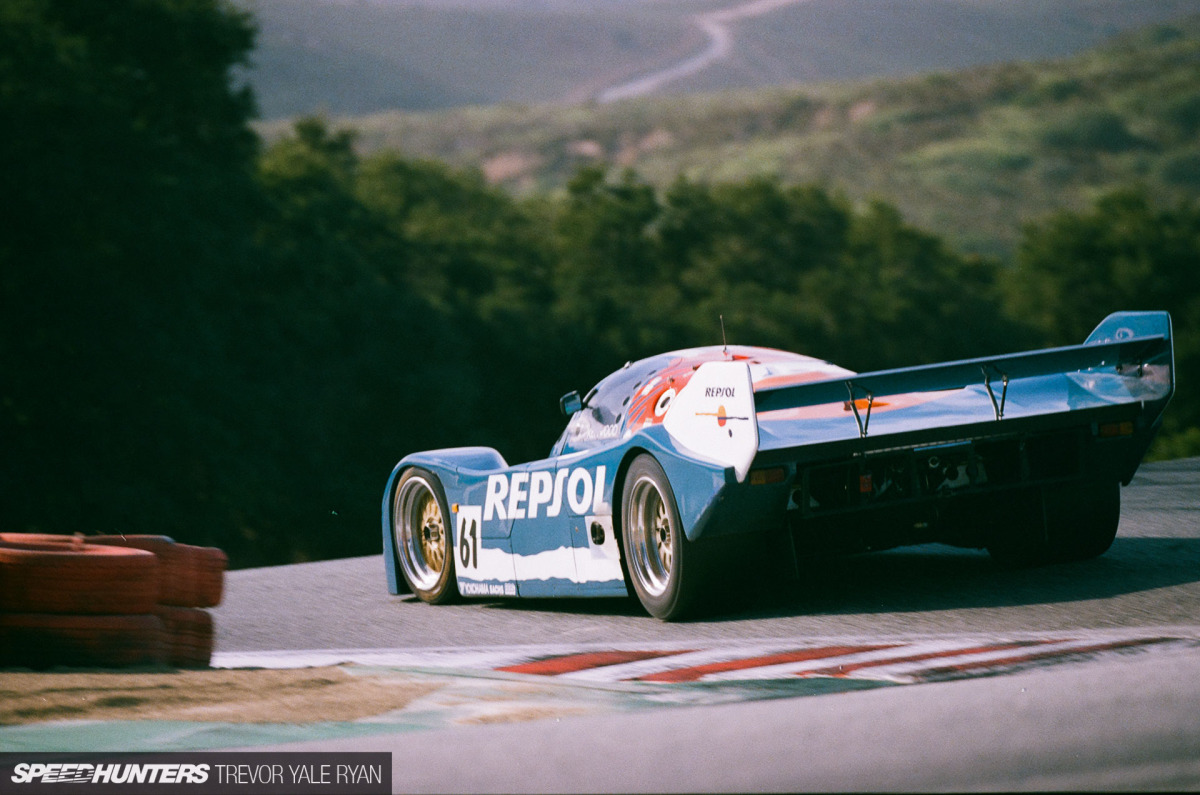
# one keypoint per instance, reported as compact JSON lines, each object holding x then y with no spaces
{"x":422,"y":538}
{"x":432,"y":535}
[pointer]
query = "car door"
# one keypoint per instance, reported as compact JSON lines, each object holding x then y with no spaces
{"x":533,"y":499}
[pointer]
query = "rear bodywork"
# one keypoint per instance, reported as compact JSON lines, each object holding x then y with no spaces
{"x":764,"y":442}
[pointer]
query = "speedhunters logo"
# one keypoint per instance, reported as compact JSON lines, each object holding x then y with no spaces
{"x":80,"y":772}
{"x":203,"y":773}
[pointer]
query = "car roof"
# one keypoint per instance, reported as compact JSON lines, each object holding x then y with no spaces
{"x":767,"y":366}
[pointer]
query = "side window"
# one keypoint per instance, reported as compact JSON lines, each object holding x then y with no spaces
{"x":602,"y":418}
{"x":591,"y":426}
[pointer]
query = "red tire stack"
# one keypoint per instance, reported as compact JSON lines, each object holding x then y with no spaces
{"x":106,"y":601}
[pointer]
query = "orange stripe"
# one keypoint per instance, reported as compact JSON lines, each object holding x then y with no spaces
{"x":570,"y":663}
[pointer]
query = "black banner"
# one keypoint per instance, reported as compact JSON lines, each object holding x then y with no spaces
{"x":199,"y":773}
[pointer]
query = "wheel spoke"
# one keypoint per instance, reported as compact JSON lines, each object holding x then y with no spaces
{"x":421,"y":533}
{"x":433,"y":547}
{"x":650,"y":521}
{"x":663,"y":537}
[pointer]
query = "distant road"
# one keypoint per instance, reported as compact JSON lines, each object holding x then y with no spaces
{"x":716,"y":26}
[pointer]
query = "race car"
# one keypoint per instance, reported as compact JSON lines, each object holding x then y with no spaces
{"x":673,"y":463}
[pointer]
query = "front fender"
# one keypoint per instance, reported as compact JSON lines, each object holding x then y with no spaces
{"x":448,"y":465}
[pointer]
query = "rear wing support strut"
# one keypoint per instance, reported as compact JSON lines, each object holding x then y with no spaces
{"x":1125,"y":342}
{"x":863,"y":423}
{"x":864,"y":419}
{"x":998,"y":408}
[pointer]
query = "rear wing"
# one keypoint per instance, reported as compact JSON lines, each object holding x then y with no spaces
{"x":716,"y":415}
{"x":1126,"y":343}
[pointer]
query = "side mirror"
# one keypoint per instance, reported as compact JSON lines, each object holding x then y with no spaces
{"x":570,"y":403}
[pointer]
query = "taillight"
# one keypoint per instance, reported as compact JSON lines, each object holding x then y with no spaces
{"x":765,"y":477}
{"x":1110,"y":430}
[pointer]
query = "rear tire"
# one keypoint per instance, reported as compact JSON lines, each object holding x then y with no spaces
{"x":667,"y":571}
{"x":1082,"y":520}
{"x":1016,"y":529}
{"x":420,"y":528}
{"x":1059,"y":524}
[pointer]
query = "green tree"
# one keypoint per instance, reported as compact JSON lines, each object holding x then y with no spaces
{"x":1125,"y":253}
{"x":605,"y":266}
{"x":744,"y":251}
{"x":128,"y":173}
{"x":900,"y":296}
{"x":482,"y":260}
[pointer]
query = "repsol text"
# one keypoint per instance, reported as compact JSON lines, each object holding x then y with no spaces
{"x":524,"y":495}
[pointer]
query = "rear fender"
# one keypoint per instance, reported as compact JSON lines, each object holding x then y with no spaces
{"x":697,"y":483}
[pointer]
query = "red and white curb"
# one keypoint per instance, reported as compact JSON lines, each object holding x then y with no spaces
{"x":884,"y":660}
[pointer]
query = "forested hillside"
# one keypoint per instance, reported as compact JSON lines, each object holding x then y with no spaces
{"x":340,"y":57}
{"x":969,"y":155}
{"x":232,"y":342}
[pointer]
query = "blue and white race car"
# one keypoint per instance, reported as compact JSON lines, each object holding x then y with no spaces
{"x":672,"y":462}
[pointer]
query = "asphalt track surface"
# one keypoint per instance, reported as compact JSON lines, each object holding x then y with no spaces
{"x":1124,"y":718}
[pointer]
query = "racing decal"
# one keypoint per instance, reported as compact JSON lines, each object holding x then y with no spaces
{"x":470,"y":588}
{"x":651,"y":403}
{"x":721,"y":414}
{"x":468,"y":536}
{"x":583,"y":550}
{"x":713,"y":416}
{"x":524,"y":495}
{"x":481,"y":570}
{"x":497,"y":569}
{"x":550,"y":564}
{"x":664,"y":402}
{"x":584,"y":431}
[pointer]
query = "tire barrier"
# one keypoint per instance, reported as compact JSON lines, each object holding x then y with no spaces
{"x":107,"y":601}
{"x":80,"y":579}
{"x":45,"y":640}
{"x":191,"y":576}
{"x":189,"y":634}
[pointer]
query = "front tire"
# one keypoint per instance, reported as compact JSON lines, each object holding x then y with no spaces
{"x":666,"y":570}
{"x":422,"y":536}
